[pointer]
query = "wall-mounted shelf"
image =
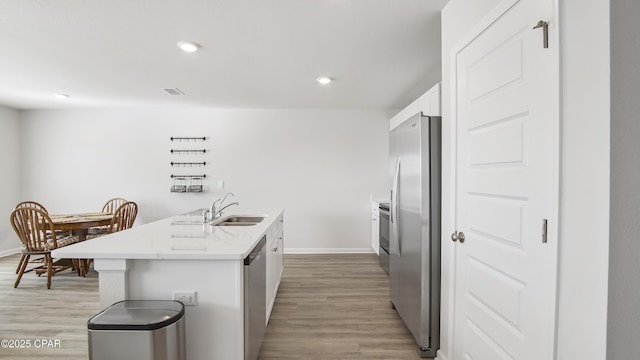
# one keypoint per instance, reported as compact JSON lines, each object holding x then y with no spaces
{"x":188,"y":183}
{"x":188,"y":151}
{"x":175,"y":138}
{"x":188,"y":164}
{"x":173,"y":176}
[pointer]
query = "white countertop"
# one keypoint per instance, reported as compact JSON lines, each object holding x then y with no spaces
{"x":179,"y":237}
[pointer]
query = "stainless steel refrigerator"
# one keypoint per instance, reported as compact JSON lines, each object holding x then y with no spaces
{"x":414,"y":243}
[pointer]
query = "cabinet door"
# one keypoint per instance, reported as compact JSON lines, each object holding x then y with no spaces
{"x":279,"y":261}
{"x":279,"y":255}
{"x":434,"y":101}
{"x":375,"y":233}
{"x":375,"y":227}
{"x":270,"y":275}
{"x":275,"y":262}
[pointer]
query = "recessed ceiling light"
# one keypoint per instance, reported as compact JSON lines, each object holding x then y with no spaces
{"x":324,"y":80}
{"x":188,"y":46}
{"x":61,"y":95}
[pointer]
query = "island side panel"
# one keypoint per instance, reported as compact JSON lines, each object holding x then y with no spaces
{"x":215,"y":326}
{"x":113,"y":281}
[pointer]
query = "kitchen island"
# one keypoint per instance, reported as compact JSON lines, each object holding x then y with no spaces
{"x":182,"y":255}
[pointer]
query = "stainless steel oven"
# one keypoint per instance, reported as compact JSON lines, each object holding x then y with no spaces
{"x":384,"y":236}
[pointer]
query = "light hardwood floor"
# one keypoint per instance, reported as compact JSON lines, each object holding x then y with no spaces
{"x":31,"y":312}
{"x":335,"y":307}
{"x":328,"y":307}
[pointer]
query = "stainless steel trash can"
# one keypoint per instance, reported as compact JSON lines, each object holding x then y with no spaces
{"x":138,"y":330}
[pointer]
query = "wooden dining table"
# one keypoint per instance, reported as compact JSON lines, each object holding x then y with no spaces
{"x":79,"y":225}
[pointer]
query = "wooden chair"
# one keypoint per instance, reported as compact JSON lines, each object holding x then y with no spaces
{"x":28,"y":204}
{"x":37,"y":233}
{"x":113,"y":204}
{"x":109,"y":207}
{"x":32,"y":204}
{"x":122,"y":219}
{"x":36,"y":205}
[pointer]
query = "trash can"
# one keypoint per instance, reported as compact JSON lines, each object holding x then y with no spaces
{"x":140,"y":330}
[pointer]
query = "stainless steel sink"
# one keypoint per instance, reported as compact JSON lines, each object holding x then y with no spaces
{"x":237,"y":220}
{"x":236,"y":224}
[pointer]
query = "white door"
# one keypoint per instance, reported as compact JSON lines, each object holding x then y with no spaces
{"x":506,"y":114}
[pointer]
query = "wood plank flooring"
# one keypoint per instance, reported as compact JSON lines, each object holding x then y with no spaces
{"x":33,"y":313}
{"x":335,"y":307}
{"x":328,"y":307}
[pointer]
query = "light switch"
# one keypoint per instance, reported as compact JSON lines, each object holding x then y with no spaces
{"x":220,"y":184}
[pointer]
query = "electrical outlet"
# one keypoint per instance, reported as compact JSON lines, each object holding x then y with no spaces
{"x":188,"y":298}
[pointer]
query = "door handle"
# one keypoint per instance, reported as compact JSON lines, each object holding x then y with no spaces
{"x":457,"y":236}
{"x":393,"y":210}
{"x":394,"y":193}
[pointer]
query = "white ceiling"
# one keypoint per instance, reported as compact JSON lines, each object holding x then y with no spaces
{"x":255,"y":53}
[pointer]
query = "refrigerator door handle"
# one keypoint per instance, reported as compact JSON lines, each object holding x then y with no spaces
{"x":394,"y":194}
{"x":394,"y":208}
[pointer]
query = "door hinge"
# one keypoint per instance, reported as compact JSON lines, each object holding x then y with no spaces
{"x":544,"y":231}
{"x":545,"y":32}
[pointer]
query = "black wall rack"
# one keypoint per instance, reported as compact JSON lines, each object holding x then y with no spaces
{"x":176,"y":138}
{"x":188,"y":164}
{"x":188,"y":151}
{"x":188,"y":183}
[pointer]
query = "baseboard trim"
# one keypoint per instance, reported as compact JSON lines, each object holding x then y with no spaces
{"x":440,"y":356}
{"x":10,"y":252}
{"x":328,"y":251}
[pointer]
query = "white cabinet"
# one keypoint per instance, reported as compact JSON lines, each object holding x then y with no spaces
{"x":375,"y":226}
{"x":275,"y":262}
{"x":428,"y":104}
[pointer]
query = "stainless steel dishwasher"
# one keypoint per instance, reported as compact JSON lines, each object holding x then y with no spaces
{"x":255,"y":308}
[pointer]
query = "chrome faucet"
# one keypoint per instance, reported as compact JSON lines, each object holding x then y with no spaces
{"x":215,"y":212}
{"x":219,"y":212}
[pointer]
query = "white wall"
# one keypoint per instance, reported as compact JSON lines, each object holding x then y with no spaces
{"x":321,"y":165}
{"x":584,"y":184}
{"x":10,"y":184}
{"x":623,"y":330}
{"x":584,"y":227}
